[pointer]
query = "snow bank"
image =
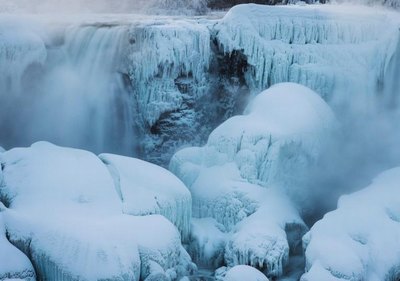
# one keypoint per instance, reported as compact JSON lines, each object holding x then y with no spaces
{"x":147,"y":189}
{"x":65,"y":213}
{"x":251,"y":164}
{"x":244,"y":272}
{"x":2,"y":150}
{"x":340,"y":52}
{"x":13,"y":263}
{"x":359,"y":240}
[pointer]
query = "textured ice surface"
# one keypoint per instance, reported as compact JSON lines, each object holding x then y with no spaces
{"x":65,"y":213}
{"x":341,"y":52}
{"x":147,"y":189}
{"x":251,"y":166}
{"x":244,"y":272}
{"x":359,"y":240}
{"x":13,"y":263}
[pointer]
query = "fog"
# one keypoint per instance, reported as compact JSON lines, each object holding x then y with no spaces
{"x":103,"y":6}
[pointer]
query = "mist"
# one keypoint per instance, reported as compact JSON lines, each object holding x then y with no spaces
{"x":104,"y":6}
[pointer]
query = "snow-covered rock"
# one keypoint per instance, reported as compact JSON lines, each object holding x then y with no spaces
{"x":359,"y":240}
{"x":146,"y":189}
{"x":2,"y":149}
{"x":13,"y":263}
{"x":341,"y":52}
{"x":250,"y":172}
{"x":65,"y":213}
{"x":244,"y":272}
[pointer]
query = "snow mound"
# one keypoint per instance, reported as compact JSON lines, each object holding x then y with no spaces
{"x":2,"y":150}
{"x":363,"y":234}
{"x":248,"y":175}
{"x":65,"y":213}
{"x":13,"y":263}
{"x":244,"y":272}
{"x":273,"y":144}
{"x":147,"y":189}
{"x":340,"y":52}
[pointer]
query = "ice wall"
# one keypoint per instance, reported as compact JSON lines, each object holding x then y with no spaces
{"x":341,"y":53}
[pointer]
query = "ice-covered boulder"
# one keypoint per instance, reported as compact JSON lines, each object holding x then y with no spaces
{"x":359,"y":240}
{"x":250,"y":172}
{"x":274,"y":143}
{"x":341,"y":53}
{"x":13,"y":263}
{"x":65,"y":213}
{"x":244,"y":272}
{"x":146,"y":189}
{"x":2,"y":149}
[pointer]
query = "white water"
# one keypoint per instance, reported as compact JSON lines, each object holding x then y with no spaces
{"x":76,"y":96}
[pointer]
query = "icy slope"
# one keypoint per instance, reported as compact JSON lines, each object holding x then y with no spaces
{"x":341,"y":52}
{"x":147,"y":189}
{"x":251,"y":163}
{"x":363,"y":234}
{"x":65,"y":213}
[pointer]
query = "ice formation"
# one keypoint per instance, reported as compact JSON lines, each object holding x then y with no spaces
{"x":13,"y":263}
{"x":359,"y":240}
{"x":250,"y":166}
{"x":340,"y":52}
{"x":65,"y":213}
{"x":147,"y":189}
{"x":273,"y":144}
{"x":244,"y":272}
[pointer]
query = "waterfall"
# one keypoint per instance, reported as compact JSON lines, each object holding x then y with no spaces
{"x":77,"y":97}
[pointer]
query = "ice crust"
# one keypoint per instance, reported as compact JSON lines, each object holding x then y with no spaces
{"x":358,"y":240}
{"x":64,"y":212}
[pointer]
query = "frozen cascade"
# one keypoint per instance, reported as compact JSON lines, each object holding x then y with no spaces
{"x":304,"y":44}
